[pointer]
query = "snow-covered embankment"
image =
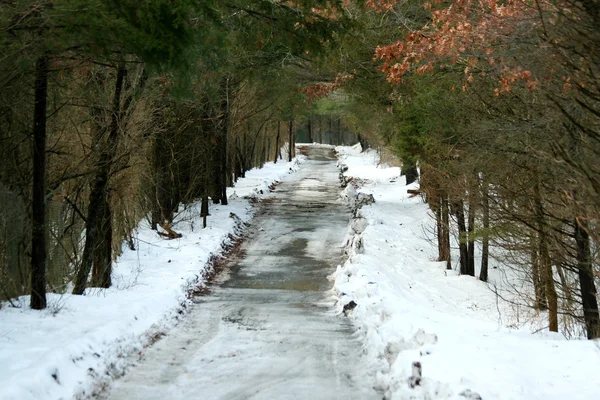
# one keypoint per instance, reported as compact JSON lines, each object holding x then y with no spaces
{"x":411,"y":310}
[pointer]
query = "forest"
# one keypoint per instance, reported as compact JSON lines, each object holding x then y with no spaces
{"x":116,"y":111}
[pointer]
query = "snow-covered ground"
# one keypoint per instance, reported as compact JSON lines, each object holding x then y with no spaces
{"x":411,"y":310}
{"x":62,"y":352}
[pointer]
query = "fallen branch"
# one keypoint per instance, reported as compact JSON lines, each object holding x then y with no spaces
{"x":170,"y":233}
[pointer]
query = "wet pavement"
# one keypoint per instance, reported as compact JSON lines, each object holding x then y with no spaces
{"x":267,"y":330}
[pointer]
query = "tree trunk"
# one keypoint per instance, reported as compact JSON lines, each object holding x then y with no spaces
{"x":102,"y":265}
{"x":291,"y":141}
{"x":38,"y":206}
{"x":411,"y":173}
{"x":222,"y":156}
{"x":538,"y":284}
{"x":470,"y":233}
{"x":310,"y":131}
{"x":155,"y":209}
{"x":545,"y":263}
{"x":221,"y":161}
{"x":92,"y":232}
{"x":551,"y":296}
{"x":439,"y":225}
{"x":462,"y":237}
{"x":164,"y":196}
{"x":204,"y":210}
{"x":267,"y":155}
{"x":319,"y":134}
{"x":586,"y":281}
{"x":564,"y":285}
{"x":156,"y":181}
{"x":238,"y":162}
{"x":485,"y":242}
{"x":446,"y":254}
{"x":248,"y":151}
{"x":363,"y":143}
{"x":99,"y":193}
{"x":294,"y":144}
{"x":277,"y":149}
{"x":435,"y":203}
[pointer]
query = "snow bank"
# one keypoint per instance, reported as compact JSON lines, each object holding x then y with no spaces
{"x":64,"y":351}
{"x":410,"y":309}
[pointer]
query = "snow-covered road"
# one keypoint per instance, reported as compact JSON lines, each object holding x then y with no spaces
{"x":267,"y":330}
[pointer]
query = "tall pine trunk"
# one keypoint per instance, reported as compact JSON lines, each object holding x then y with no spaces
{"x":310,"y":131}
{"x":539,"y":287}
{"x":437,"y":201}
{"x":204,"y":210}
{"x":99,"y":194}
{"x":545,"y":264}
{"x":411,"y":172}
{"x":291,"y":141}
{"x":363,"y":143}
{"x":319,"y":135}
{"x":222,"y":144}
{"x":459,"y":212}
{"x":267,"y":154}
{"x":586,"y":281}
{"x":38,"y":212}
{"x":277,"y":149}
{"x":156,"y":187}
{"x":237,"y":160}
{"x":446,"y":254}
{"x":471,"y":231}
{"x":220,"y":164}
{"x":485,"y":242}
{"x":438,"y":223}
{"x":165,"y":193}
{"x":102,"y":264}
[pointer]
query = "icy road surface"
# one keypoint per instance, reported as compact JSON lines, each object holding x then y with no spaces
{"x":267,"y":330}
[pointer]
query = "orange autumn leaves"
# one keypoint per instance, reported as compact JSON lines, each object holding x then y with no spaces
{"x":322,"y":90}
{"x":473,"y":34}
{"x":382,"y":5}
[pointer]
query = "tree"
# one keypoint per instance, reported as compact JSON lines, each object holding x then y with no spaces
{"x":498,"y":104}
{"x":38,"y":245}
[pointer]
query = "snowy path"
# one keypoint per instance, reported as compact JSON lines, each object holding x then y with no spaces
{"x":267,"y":331}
